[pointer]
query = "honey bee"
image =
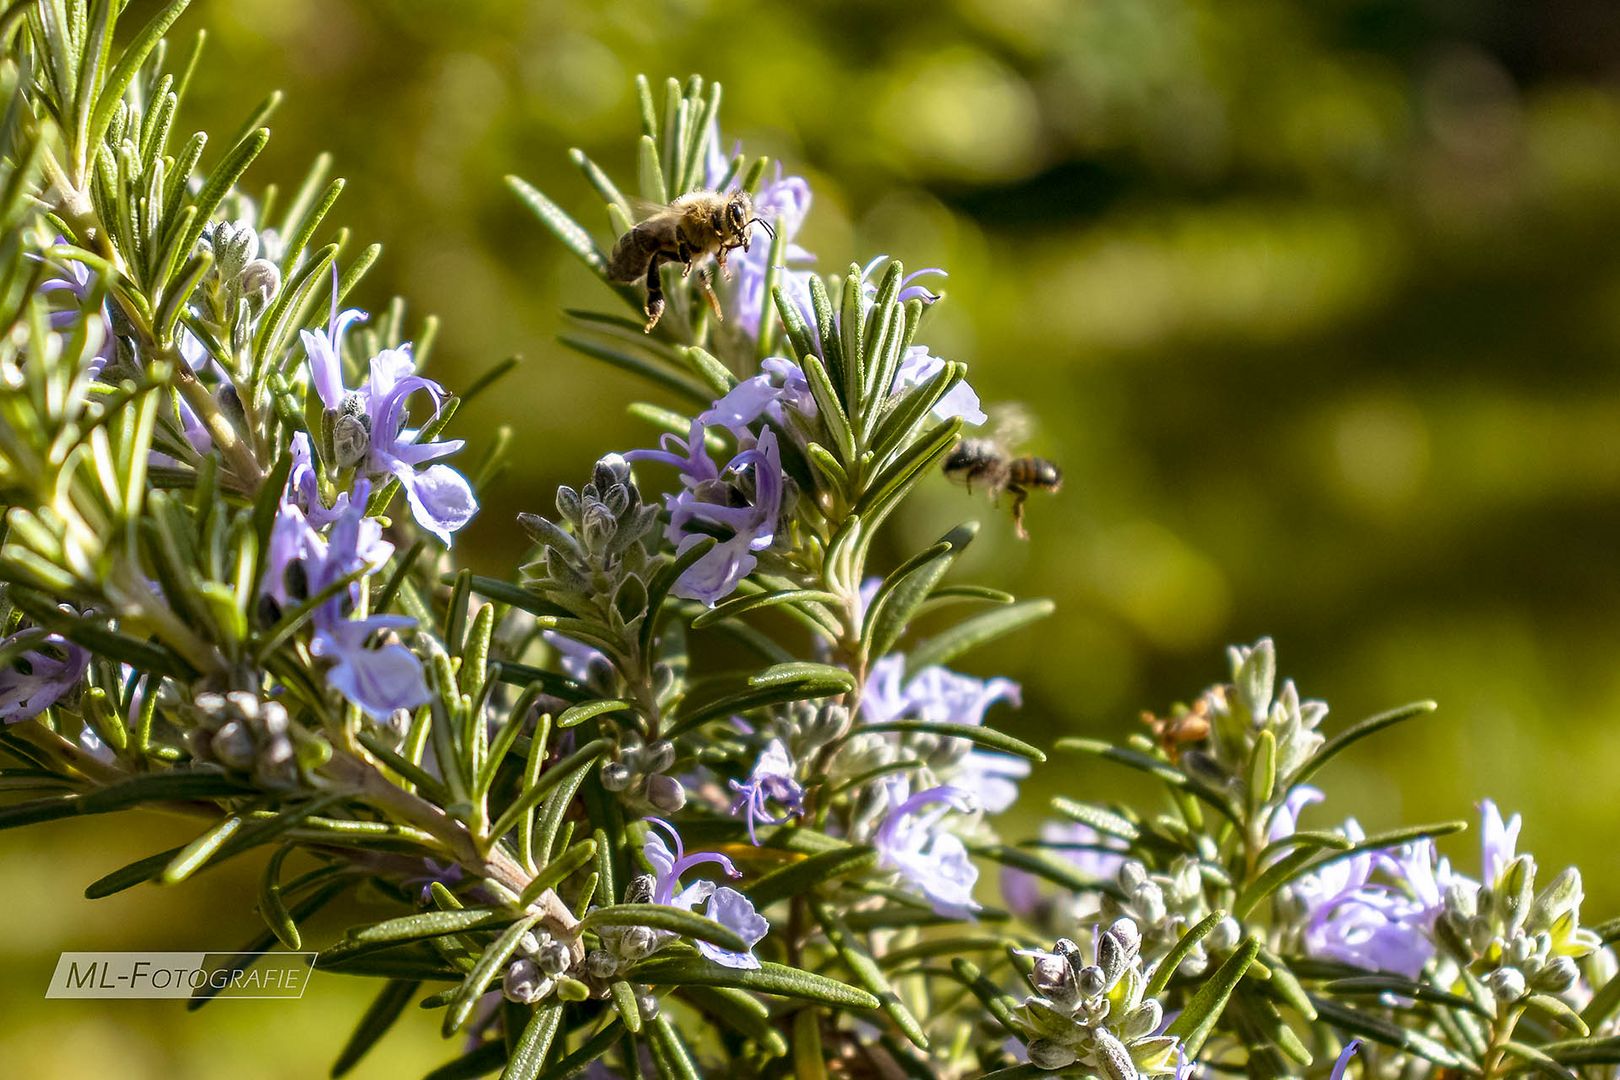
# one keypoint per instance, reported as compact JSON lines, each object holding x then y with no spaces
{"x":988,"y":461}
{"x":695,"y":226}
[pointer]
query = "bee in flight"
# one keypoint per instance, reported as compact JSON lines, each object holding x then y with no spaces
{"x":694,"y":227}
{"x":987,"y":461}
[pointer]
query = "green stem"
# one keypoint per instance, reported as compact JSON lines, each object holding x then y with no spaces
{"x":1491,"y":1065}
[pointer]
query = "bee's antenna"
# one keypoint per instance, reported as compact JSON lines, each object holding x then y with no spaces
{"x":761,"y":221}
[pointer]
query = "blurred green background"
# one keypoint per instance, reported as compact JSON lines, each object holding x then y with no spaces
{"x":1317,"y":303}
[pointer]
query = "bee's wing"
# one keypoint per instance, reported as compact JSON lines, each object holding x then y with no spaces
{"x":646,"y":208}
{"x":1011,"y":425}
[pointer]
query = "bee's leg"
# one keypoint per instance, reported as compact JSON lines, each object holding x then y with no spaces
{"x":686,"y":255}
{"x":705,"y":280}
{"x":655,"y":294}
{"x":720,"y":258}
{"x":1019,"y":494}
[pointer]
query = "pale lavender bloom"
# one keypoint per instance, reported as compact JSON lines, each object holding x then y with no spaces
{"x":578,"y":662}
{"x":668,"y":866}
{"x":1380,"y":925}
{"x":304,"y":485}
{"x":735,"y":912}
{"x":938,"y":695}
{"x":918,"y":366}
{"x":1285,"y":821}
{"x":726,"y":906}
{"x":993,"y":778}
{"x":935,"y":694}
{"x":780,"y":384}
{"x":91,"y":744}
{"x":772,"y":779}
{"x":1499,"y":842}
{"x":440,"y":498}
{"x":706,"y":506}
{"x":40,"y":677}
{"x":378,"y":680}
{"x":935,"y":862}
{"x":784,"y":203}
{"x":1343,"y":1064}
{"x":1087,"y":850}
{"x":76,"y":282}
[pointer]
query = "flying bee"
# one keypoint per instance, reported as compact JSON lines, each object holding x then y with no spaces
{"x":694,"y":227}
{"x":988,"y":461}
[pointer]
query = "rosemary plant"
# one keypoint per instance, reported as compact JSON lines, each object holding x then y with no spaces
{"x":696,"y":791}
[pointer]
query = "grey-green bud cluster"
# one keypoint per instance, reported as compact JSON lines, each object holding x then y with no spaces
{"x":246,"y":734}
{"x":640,"y":773}
{"x":1164,"y":906}
{"x":540,"y":969}
{"x":1521,"y":942}
{"x":1096,"y":1014}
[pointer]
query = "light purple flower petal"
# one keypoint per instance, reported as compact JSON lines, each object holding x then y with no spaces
{"x":441,"y":500}
{"x":735,"y":912}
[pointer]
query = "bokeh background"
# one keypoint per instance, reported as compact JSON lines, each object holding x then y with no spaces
{"x":1317,"y":303}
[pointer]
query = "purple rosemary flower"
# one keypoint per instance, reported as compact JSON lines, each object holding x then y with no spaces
{"x":935,"y":694}
{"x":1285,"y":820}
{"x":369,"y":429}
{"x":771,"y":780}
{"x":1499,"y":842}
{"x":783,"y":202}
{"x":303,"y":484}
{"x":378,"y":680}
{"x":1343,"y":1064}
{"x":938,"y":695}
{"x":39,"y":677}
{"x":76,"y":281}
{"x":779,"y":385}
{"x":1383,"y":922}
{"x":448,"y":873}
{"x":744,"y":500}
{"x":935,"y":862}
{"x":917,"y":367}
{"x":726,"y":906}
{"x":578,"y":662}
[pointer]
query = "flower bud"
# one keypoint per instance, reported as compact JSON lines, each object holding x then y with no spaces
{"x":665,"y":793}
{"x":658,"y":757}
{"x":1149,"y":903}
{"x":637,"y":943}
{"x":1053,"y":978}
{"x":235,"y":244}
{"x":601,"y":964}
{"x":351,"y":433}
{"x":1113,"y":1057}
{"x":1225,"y":935}
{"x":1143,"y":1020}
{"x":553,"y":958}
{"x":1116,"y":949}
{"x":1556,"y":976}
{"x":523,"y":982}
{"x":1046,"y":1054}
{"x":647,"y":1004}
{"x":258,"y":282}
{"x":232,"y":745}
{"x":1132,"y":876}
{"x":1507,"y":983}
{"x":616,"y":777}
{"x":1091,"y":981}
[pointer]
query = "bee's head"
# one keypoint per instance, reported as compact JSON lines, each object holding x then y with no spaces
{"x":739,"y":208}
{"x":737,"y":219}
